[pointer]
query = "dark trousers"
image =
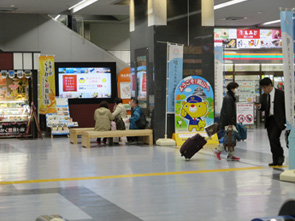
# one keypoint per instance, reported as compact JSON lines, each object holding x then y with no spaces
{"x":132,"y":139}
{"x":274,"y":133}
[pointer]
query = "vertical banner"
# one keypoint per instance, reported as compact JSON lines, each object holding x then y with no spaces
{"x":194,"y":105}
{"x":288,"y":63}
{"x":46,"y":81}
{"x":287,"y":27}
{"x":175,"y":69}
{"x":218,"y":78}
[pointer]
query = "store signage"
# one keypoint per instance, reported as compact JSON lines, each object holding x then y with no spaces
{"x":194,"y":105}
{"x":13,"y":129}
{"x":248,"y":33}
{"x":248,"y":38}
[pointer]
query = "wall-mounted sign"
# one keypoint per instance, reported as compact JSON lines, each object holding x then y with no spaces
{"x":194,"y":104}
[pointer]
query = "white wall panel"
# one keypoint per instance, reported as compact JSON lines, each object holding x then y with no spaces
{"x":17,"y":61}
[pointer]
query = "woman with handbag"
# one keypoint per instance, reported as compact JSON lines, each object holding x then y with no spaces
{"x":228,"y":118}
{"x":119,"y":114}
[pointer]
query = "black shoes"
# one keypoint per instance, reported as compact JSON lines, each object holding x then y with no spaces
{"x":278,"y":163}
{"x":275,"y":164}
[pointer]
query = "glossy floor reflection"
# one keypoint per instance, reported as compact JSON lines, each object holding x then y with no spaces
{"x":52,"y":176}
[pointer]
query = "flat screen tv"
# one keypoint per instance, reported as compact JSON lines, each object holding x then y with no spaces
{"x":86,"y":82}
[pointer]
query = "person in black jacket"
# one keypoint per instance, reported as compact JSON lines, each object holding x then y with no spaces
{"x":228,"y":117}
{"x":272,"y":101}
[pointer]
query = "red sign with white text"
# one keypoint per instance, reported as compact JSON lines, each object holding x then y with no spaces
{"x":248,"y":33}
{"x":69,"y":83}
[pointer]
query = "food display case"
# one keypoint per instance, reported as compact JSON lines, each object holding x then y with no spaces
{"x":14,"y":104}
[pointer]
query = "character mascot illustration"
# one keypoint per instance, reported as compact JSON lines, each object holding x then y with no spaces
{"x":194,"y":109}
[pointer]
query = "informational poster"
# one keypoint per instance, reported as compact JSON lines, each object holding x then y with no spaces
{"x":194,"y":105}
{"x":60,"y":122}
{"x":245,"y":113}
{"x":47,"y":102}
{"x":175,"y":72}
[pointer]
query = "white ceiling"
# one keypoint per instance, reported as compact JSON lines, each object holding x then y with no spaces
{"x":256,"y":11}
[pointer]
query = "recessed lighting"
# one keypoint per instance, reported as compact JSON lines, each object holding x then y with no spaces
{"x":259,"y":12}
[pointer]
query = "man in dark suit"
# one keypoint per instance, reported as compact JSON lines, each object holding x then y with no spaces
{"x":273,"y":103}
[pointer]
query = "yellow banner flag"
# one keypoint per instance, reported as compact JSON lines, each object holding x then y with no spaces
{"x":47,"y":102}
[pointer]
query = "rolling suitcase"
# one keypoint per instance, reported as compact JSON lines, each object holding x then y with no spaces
{"x":192,"y":145}
{"x":242,"y":131}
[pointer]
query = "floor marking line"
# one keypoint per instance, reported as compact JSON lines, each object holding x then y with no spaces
{"x":129,"y":175}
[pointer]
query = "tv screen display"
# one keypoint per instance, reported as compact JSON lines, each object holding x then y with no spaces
{"x":88,"y":82}
{"x":80,"y":81}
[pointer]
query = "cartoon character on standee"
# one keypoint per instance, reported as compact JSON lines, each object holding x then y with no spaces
{"x":194,"y":109}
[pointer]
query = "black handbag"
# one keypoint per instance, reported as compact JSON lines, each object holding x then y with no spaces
{"x":142,"y":122}
{"x":120,"y":123}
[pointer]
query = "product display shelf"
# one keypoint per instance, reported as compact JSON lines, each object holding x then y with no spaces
{"x":14,"y":116}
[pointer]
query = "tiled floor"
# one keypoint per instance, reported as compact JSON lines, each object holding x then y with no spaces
{"x":56,"y":177}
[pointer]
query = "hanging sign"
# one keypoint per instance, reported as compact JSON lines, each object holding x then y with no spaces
{"x":175,"y":69}
{"x":47,"y":102}
{"x":194,"y":104}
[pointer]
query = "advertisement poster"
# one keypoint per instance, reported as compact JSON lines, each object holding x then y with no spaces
{"x":194,"y":105}
{"x":288,"y":63}
{"x":47,"y":102}
{"x":124,"y":87}
{"x":141,"y":77}
{"x":60,"y":122}
{"x":175,"y":69}
{"x":245,"y":113}
{"x":248,"y":38}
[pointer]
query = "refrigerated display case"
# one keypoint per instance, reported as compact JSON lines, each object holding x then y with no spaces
{"x":14,"y":104}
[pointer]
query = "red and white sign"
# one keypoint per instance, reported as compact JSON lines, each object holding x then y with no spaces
{"x":248,"y":33}
{"x":245,"y":113}
{"x":69,"y":83}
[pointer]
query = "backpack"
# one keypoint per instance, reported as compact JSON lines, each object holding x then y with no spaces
{"x":142,"y":122}
{"x":119,"y":123}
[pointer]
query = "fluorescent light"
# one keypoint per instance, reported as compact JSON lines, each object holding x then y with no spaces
{"x":82,"y":4}
{"x":56,"y":17}
{"x":272,"y":22}
{"x":226,"y":4}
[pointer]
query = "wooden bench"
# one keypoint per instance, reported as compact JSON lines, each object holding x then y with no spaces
{"x":147,"y":134}
{"x":75,"y":132}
